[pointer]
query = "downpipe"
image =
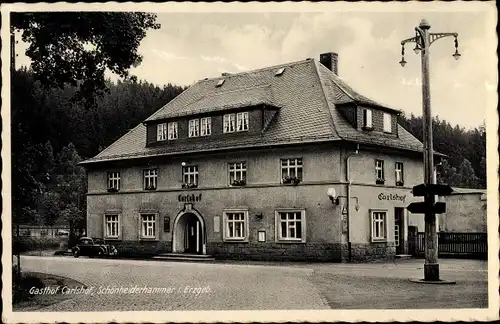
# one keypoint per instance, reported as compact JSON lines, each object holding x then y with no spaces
{"x":348,"y":216}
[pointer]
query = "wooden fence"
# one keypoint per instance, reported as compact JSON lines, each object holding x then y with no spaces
{"x":41,"y":231}
{"x":473,"y":245}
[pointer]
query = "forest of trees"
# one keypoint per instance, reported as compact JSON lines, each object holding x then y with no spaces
{"x":465,"y":164}
{"x":51,"y":133}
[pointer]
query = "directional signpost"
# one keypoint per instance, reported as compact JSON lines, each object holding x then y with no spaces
{"x":423,"y":40}
{"x":423,"y":190}
{"x":419,"y":208}
{"x":430,"y":209}
{"x":435,"y":189}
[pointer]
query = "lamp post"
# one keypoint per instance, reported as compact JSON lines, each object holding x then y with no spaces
{"x":423,"y":40}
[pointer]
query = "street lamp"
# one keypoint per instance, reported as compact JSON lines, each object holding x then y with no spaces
{"x":402,"y":62}
{"x":423,"y":40}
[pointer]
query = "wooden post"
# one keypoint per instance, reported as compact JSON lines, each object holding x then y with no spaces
{"x":431,"y":266}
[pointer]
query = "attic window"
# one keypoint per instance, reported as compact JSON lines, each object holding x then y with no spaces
{"x":387,"y":123}
{"x":280,"y":72}
{"x":367,"y":118}
{"x":220,"y":83}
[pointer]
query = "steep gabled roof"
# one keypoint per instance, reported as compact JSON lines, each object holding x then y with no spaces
{"x":337,"y":92}
{"x":218,"y":101}
{"x":306,"y":94}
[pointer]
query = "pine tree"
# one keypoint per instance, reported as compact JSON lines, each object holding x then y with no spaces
{"x":469,"y":178}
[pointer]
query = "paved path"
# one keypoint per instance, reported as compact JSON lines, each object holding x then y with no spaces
{"x":223,"y":286}
{"x":387,"y":285}
{"x":259,"y":286}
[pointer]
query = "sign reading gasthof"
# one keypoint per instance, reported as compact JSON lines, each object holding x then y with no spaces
{"x":383,"y":196}
{"x":189,"y":198}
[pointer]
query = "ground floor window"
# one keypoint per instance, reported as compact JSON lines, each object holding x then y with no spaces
{"x":148,"y":226}
{"x":379,"y":226}
{"x":111,"y":226}
{"x":235,"y":225}
{"x":290,"y":225}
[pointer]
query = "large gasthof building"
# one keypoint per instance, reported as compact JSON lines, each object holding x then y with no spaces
{"x":282,"y":163}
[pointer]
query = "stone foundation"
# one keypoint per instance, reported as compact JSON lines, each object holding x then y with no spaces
{"x":141,"y":248}
{"x":321,"y":252}
{"x":369,"y":252}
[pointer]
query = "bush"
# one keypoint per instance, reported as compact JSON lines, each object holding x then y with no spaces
{"x":25,"y":244}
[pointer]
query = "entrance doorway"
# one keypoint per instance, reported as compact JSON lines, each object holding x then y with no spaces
{"x":192,"y":235}
{"x":189,"y":234}
{"x":398,"y":229}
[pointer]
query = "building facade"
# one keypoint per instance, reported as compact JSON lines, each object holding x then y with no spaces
{"x":465,"y":213}
{"x":282,"y":163}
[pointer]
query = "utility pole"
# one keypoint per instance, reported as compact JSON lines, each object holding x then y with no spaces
{"x":423,"y":40}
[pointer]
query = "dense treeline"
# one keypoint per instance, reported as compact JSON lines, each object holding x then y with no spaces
{"x":465,"y":164}
{"x":51,"y":133}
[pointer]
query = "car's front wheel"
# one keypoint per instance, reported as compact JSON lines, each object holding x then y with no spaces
{"x":100,"y":253}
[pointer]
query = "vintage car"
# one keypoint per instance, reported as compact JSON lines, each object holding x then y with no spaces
{"x":93,"y":247}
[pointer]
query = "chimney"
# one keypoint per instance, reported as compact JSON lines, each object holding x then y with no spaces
{"x":330,"y":60}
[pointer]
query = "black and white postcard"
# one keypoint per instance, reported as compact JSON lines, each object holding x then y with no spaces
{"x":264,"y":162}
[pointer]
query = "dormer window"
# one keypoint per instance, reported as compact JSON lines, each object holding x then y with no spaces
{"x":242,"y":121}
{"x":173,"y":130}
{"x":220,"y":83}
{"x":161,"y":132}
{"x":229,"y":123}
{"x":280,"y":72}
{"x":206,"y":126}
{"x":194,"y":128}
{"x":367,"y":119}
{"x":387,"y":123}
{"x":235,"y":122}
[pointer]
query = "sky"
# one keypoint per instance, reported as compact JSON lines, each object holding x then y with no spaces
{"x":191,"y":46}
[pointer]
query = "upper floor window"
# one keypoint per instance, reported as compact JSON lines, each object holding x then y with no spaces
{"x":173,"y":130}
{"x":190,"y":176}
{"x":387,"y":123}
{"x":206,"y":126}
{"x":379,"y":171}
{"x":399,"y":174}
{"x":194,"y":128}
{"x":291,"y":170}
{"x":229,"y":123}
{"x":290,"y":225}
{"x":237,"y":174}
{"x":379,"y":226}
{"x":367,"y":118}
{"x":161,"y":132}
{"x":150,"y":179}
{"x":242,"y":121}
{"x":113,"y":181}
